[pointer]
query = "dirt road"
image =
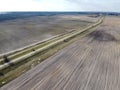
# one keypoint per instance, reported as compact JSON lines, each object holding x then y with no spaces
{"x":91,"y":63}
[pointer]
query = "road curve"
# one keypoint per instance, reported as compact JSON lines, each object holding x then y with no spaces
{"x":91,"y":63}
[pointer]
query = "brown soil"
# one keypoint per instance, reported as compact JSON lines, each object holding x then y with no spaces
{"x":102,"y":36}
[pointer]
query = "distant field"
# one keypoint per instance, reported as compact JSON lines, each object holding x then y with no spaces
{"x":90,"y":63}
{"x":87,"y":61}
{"x":18,"y":33}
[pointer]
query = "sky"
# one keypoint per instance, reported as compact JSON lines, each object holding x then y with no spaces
{"x":60,"y":5}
